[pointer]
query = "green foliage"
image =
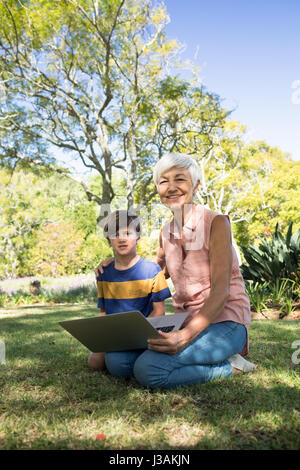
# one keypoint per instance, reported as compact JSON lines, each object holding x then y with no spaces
{"x":271,"y":196}
{"x":3,"y":299}
{"x":280,"y":289}
{"x":93,"y":251}
{"x":21,"y":211}
{"x":258,"y":295}
{"x":147,"y":248}
{"x":28,"y":200}
{"x":265,"y":296}
{"x":24,"y":212}
{"x":273,"y":259}
{"x":79,"y":76}
{"x":287,"y":306}
{"x":56,"y":250}
{"x":78,"y":295}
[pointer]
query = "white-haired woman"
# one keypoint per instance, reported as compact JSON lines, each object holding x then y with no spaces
{"x":197,"y":253}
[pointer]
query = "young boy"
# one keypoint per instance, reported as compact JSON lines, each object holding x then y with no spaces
{"x":130,"y":282}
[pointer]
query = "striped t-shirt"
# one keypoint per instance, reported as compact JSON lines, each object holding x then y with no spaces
{"x":132,"y":289}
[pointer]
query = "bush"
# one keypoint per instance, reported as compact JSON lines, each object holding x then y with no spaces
{"x":273,"y":260}
{"x":258,"y":295}
{"x":264,"y":296}
{"x":147,"y":248}
{"x":57,"y":250}
{"x":82,"y":294}
{"x":94,"y":250}
{"x":3,"y":299}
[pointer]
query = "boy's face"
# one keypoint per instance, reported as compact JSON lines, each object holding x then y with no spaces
{"x":125,"y":242}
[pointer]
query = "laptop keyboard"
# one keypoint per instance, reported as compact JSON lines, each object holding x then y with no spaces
{"x":166,"y":329}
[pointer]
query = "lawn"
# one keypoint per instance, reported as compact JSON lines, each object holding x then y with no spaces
{"x":50,"y":400}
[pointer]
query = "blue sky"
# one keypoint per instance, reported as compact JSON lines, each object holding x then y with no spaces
{"x":249,"y":54}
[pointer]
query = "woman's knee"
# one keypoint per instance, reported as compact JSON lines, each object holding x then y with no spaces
{"x":147,"y":371}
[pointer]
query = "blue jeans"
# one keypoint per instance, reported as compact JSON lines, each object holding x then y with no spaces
{"x":204,"y":359}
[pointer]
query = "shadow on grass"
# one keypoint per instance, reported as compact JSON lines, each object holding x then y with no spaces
{"x":46,"y":378}
{"x":232,"y":412}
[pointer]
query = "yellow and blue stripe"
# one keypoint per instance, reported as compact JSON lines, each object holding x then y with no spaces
{"x":135,"y":288}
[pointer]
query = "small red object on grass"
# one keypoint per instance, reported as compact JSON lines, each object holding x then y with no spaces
{"x":100,"y":437}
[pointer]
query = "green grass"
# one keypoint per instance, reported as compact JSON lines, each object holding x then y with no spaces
{"x":50,"y":400}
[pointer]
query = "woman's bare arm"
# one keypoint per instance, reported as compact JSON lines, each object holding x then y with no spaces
{"x":220,"y":250}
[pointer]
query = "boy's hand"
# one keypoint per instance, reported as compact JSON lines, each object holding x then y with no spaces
{"x":103,"y":264}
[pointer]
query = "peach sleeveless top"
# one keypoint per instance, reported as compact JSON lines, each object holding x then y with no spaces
{"x":186,"y":258}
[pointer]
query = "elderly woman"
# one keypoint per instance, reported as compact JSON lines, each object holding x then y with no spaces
{"x":196,"y":252}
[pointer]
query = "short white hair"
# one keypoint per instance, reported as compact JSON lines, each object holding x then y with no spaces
{"x":179,"y":160}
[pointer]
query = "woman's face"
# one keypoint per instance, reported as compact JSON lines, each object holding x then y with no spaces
{"x":175,"y":188}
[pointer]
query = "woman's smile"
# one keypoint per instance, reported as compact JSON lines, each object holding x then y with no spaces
{"x":177,"y":196}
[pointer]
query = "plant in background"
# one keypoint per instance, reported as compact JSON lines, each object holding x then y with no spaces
{"x":147,"y":248}
{"x":258,"y":295}
{"x":3,"y":298}
{"x":94,"y":249}
{"x":280,"y":289}
{"x":57,"y":250}
{"x":287,"y":307}
{"x":273,"y":260}
{"x":71,"y":289}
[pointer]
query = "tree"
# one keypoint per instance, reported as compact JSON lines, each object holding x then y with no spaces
{"x":56,"y":250}
{"x":90,"y":77}
{"x":275,"y":194}
{"x":184,"y":117}
{"x":229,"y":174}
{"x":20,"y":214}
{"x":28,"y":201}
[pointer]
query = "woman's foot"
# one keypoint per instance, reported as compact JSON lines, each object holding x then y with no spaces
{"x":239,"y":364}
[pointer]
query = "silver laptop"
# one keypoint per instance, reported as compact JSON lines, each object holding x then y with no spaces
{"x":121,"y":331}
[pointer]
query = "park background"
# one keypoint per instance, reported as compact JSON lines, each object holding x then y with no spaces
{"x":93,"y":93}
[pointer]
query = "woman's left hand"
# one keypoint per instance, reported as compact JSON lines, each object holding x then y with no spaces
{"x":169,"y":343}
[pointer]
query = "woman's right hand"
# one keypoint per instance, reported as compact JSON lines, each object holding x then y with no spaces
{"x":103,"y":264}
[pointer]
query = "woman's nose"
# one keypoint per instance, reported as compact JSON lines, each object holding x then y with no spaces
{"x":171,"y":186}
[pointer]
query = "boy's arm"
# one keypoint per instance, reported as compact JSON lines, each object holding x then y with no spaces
{"x":160,"y":292}
{"x":158,"y":309}
{"x":102,"y":312}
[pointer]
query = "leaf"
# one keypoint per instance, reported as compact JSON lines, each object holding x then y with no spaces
{"x":179,"y":404}
{"x":289,"y":234}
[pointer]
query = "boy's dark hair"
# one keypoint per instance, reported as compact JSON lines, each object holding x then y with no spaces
{"x":121,"y":219}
